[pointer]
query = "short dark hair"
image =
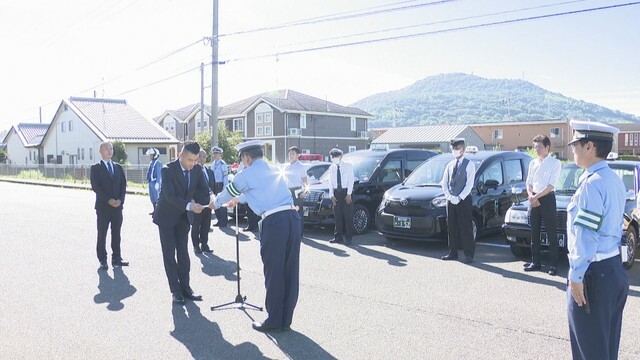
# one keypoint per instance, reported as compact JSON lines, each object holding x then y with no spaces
{"x":191,"y":147}
{"x":253,"y":152}
{"x":544,"y":139}
{"x":603,"y":147}
{"x":294,"y":148}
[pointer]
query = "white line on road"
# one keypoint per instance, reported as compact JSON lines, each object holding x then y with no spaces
{"x":496,"y":245}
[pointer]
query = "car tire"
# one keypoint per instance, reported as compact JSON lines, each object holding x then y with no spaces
{"x":361,"y":219}
{"x":520,"y":251}
{"x":632,"y":246}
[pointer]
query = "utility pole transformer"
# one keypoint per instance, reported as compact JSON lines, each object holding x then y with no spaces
{"x":214,"y":77}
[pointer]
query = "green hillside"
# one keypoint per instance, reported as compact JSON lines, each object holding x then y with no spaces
{"x":466,"y":99}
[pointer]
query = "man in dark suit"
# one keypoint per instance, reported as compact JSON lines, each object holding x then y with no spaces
{"x":184,"y":189}
{"x":202,"y":221}
{"x":110,"y":185}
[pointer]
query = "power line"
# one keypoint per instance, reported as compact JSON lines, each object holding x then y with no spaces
{"x":338,"y":17}
{"x":162,"y":80}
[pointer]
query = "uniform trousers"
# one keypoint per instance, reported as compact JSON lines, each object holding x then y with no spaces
{"x":597,"y":335}
{"x":200,"y":229}
{"x":175,"y":254}
{"x":105,"y":217}
{"x":280,"y":252}
{"x":460,"y":227}
{"x":343,"y":215}
{"x":545,"y":212}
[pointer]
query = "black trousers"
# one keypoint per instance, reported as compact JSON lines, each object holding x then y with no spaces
{"x":545,"y":212}
{"x":343,"y":215}
{"x":108,"y":217}
{"x":222,"y":213}
{"x":460,"y":228}
{"x":297,"y":201}
{"x":200,"y":229}
{"x":175,"y":254}
{"x":597,"y":335}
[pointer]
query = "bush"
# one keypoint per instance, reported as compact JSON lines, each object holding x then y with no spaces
{"x":119,"y":153}
{"x":226,"y":140}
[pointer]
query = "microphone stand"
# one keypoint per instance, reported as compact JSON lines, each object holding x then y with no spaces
{"x":239,"y":302}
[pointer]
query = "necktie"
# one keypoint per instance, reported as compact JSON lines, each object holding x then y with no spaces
{"x":186,"y":181}
{"x":455,"y":168}
{"x":110,"y":168}
{"x":339,"y":176}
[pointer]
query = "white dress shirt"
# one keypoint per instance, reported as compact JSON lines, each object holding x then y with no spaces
{"x":346,"y":178}
{"x":448,"y":171}
{"x":543,"y":173}
{"x":295,"y":175}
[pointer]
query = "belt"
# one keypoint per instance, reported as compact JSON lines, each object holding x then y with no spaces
{"x":295,"y":188}
{"x":276,"y":210}
{"x":600,"y":257}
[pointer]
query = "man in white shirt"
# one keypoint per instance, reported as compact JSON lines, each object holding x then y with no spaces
{"x":296,"y":179}
{"x":340,"y":188}
{"x":542,"y":179}
{"x":457,"y":182}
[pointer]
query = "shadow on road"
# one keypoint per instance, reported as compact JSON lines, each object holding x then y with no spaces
{"x":298,"y":346}
{"x":213,"y":265}
{"x":318,"y":244}
{"x":203,"y":337}
{"x":113,"y":290}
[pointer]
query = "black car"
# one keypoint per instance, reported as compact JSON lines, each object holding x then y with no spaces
{"x":517,"y":227}
{"x":416,"y":209}
{"x":375,"y":171}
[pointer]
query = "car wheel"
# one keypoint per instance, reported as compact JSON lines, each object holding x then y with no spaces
{"x":361,"y":219}
{"x":632,"y":244}
{"x":520,"y":251}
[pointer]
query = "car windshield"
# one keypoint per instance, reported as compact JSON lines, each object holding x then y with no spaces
{"x":363,"y":166}
{"x":569,"y":180}
{"x":430,"y":173}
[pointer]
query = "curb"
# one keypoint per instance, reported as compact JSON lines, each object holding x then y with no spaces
{"x":66,"y":185}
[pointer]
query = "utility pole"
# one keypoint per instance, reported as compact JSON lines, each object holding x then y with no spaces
{"x":214,"y":77}
{"x":201,"y":97}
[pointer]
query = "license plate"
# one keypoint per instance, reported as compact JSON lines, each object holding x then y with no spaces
{"x":305,"y":211}
{"x":402,"y":222}
{"x":544,"y":239}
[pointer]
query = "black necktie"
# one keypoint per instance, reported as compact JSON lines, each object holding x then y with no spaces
{"x":455,"y":168}
{"x":339,"y":179}
{"x":110,"y":168}
{"x":186,"y":181}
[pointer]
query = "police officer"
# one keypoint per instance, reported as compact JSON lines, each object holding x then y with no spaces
{"x":457,"y":182}
{"x":264,"y":190}
{"x":221,"y":174}
{"x":597,"y":283}
{"x":154,"y":176}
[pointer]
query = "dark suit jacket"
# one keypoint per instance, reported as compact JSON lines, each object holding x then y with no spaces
{"x":212,"y":179}
{"x":107,"y":187}
{"x":173,"y":199}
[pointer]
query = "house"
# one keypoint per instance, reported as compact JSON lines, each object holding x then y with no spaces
{"x":286,"y":118}
{"x":80,"y":125}
{"x":184,"y":123}
{"x":519,"y":135}
{"x":23,"y":143}
{"x":629,"y":139}
{"x":435,"y":137}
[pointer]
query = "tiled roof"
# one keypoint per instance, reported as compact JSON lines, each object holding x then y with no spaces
{"x":115,"y":119}
{"x":293,"y":101}
{"x":31,"y":134}
{"x":420,"y":134}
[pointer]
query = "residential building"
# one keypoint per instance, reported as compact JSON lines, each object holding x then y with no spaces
{"x":184,"y":123}
{"x":435,"y":137}
{"x":629,"y":139}
{"x":80,"y":125}
{"x":286,"y":118}
{"x":23,"y":143}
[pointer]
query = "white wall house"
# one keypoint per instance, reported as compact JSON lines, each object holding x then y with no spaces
{"x":80,"y":125}
{"x":22,"y":143}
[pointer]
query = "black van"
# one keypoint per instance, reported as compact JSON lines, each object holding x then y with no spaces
{"x":375,"y":171}
{"x":416,"y":209}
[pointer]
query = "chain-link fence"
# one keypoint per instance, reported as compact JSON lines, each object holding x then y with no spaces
{"x":69,"y":173}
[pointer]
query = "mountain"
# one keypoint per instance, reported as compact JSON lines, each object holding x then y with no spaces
{"x":467,"y":99}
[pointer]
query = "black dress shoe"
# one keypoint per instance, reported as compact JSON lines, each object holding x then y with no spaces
{"x":177,"y":298}
{"x":103,"y":265}
{"x":533,"y":267}
{"x":450,"y":256}
{"x":206,"y":249}
{"x":334,"y":241}
{"x":526,"y":264}
{"x":120,"y":263}
{"x":210,"y":230}
{"x":262,"y":327}
{"x":249,"y":229}
{"x":192,"y":296}
{"x":553,"y":271}
{"x":196,"y":249}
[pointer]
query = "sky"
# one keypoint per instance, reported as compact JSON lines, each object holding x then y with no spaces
{"x":144,"y":50}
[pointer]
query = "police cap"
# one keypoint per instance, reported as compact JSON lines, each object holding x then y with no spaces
{"x":591,"y":130}
{"x":335,"y":152}
{"x":457,"y":142}
{"x":217,"y":149}
{"x":248,"y":145}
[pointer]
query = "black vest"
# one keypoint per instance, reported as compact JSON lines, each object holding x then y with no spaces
{"x":458,"y":181}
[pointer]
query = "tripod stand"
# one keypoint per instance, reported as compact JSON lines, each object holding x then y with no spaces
{"x":239,"y":302}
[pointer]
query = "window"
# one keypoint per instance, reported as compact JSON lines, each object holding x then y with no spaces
{"x":353,"y":123}
{"x":62,"y":127}
{"x":259,"y":131}
{"x":554,"y":133}
{"x":259,"y":118}
{"x":78,"y":153}
{"x":70,"y":125}
{"x":170,"y":125}
{"x":492,"y":172}
{"x":82,"y":153}
{"x":626,"y":139}
{"x":303,"y":121}
{"x":306,"y":151}
{"x":392,"y":171}
{"x":238,"y":125}
{"x":90,"y":153}
{"x":267,"y":118}
{"x":514,"y":171}
{"x":30,"y":155}
{"x":497,"y":134}
{"x":352,"y":148}
{"x":635,"y":143}
{"x":267,"y":130}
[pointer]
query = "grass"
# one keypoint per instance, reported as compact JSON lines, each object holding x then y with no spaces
{"x":34,"y":174}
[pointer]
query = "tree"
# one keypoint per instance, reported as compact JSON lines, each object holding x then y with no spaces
{"x":119,"y":152}
{"x":3,"y":156}
{"x":227,"y":140}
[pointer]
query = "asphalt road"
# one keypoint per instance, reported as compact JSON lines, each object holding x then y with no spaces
{"x":372,"y":300}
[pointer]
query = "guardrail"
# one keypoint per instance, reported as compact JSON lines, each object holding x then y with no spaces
{"x":74,"y":173}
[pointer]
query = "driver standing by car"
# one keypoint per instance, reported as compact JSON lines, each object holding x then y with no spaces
{"x":341,"y":180}
{"x":457,"y":182}
{"x":543,"y":176}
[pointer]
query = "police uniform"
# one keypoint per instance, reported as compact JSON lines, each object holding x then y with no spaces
{"x":221,"y":174}
{"x":594,"y":223}
{"x":262,"y":188}
{"x":154,"y":177}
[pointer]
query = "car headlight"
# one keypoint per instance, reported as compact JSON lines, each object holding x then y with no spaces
{"x":440,"y":201}
{"x":517,"y":216}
